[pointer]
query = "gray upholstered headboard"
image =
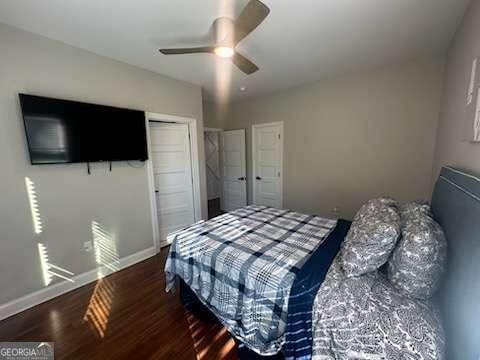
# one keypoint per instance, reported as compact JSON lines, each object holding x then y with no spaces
{"x":456,"y":206}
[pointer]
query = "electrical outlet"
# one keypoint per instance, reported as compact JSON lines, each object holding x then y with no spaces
{"x":87,"y":245}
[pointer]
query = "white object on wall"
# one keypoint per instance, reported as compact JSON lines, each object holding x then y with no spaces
{"x":471,"y":87}
{"x":472,"y":121}
{"x":476,"y":124}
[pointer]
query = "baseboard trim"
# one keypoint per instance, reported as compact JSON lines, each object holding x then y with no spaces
{"x":28,"y":301}
{"x":164,"y":243}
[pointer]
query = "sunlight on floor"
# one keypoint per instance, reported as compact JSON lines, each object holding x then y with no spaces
{"x":207,"y":347}
{"x":55,"y":321}
{"x":107,"y":259}
{"x":99,"y":307}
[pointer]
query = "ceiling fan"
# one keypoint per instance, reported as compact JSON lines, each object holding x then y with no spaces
{"x":227,"y":33}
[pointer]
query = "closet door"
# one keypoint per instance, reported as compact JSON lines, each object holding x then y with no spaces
{"x":234,"y":170}
{"x":267,"y":153}
{"x":172,"y":169}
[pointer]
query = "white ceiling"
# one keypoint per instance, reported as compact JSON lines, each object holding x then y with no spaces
{"x":301,"y":41}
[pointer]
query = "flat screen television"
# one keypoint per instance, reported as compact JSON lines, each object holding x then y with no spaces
{"x":63,"y":131}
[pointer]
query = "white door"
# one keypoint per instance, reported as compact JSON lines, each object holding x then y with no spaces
{"x":234,"y":170}
{"x":172,"y":171}
{"x":267,"y":153}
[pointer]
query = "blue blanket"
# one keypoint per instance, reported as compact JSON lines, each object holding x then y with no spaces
{"x":298,"y":340}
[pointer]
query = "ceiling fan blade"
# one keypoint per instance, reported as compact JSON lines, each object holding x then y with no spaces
{"x":252,"y":15}
{"x":244,"y":64}
{"x":204,"y":49}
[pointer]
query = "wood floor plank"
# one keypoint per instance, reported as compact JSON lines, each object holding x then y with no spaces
{"x":126,"y":315}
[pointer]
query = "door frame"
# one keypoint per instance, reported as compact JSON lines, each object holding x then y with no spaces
{"x":254,"y":158}
{"x":197,"y":200}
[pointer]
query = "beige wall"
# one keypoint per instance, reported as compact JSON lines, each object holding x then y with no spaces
{"x":353,"y":138}
{"x":214,"y":114}
{"x":69,"y":200}
{"x":451,"y":149}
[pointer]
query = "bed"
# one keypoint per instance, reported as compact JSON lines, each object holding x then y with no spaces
{"x":243,"y":265}
{"x":273,"y":278}
{"x":368,"y":318}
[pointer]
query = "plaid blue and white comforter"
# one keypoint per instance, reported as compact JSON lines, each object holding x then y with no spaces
{"x":242,"y":265}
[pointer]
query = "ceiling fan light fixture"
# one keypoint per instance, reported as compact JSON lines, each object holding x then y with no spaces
{"x":227,"y":33}
{"x":224,"y":51}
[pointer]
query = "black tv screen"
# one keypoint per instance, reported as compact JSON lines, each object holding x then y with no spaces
{"x":63,"y":131}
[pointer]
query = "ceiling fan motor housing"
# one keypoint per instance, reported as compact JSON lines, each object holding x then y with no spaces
{"x":223,"y":30}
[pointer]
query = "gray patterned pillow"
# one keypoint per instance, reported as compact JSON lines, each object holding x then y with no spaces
{"x":372,"y":237}
{"x":415,"y":209}
{"x":417,"y":263}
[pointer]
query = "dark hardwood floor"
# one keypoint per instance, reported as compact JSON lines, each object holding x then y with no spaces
{"x":126,"y":315}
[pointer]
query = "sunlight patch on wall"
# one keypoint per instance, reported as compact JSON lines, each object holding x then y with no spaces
{"x":99,"y":307}
{"x":49,"y":271}
{"x":43,"y":254}
{"x":34,"y":208}
{"x":106,"y":253}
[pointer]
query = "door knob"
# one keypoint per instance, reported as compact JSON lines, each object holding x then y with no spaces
{"x":258,"y":178}
{"x":241,"y":178}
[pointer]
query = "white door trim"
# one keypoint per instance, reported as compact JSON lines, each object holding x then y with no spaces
{"x":197,"y":202}
{"x":254,"y":158}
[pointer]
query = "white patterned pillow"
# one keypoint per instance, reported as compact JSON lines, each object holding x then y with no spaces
{"x":372,"y":237}
{"x":418,"y":261}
